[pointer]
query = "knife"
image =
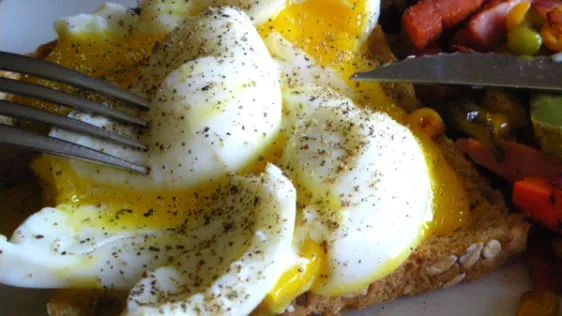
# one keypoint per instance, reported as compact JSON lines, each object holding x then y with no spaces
{"x":475,"y":69}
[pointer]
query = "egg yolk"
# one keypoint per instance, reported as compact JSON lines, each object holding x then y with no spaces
{"x":113,"y":57}
{"x":297,"y":280}
{"x":122,"y":209}
{"x":330,"y":31}
{"x":450,"y":199}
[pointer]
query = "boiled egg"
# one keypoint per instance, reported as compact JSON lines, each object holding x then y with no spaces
{"x":216,"y":106}
{"x":364,"y":188}
{"x":223,"y":254}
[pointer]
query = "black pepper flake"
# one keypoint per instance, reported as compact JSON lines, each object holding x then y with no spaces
{"x":39,"y":236}
{"x":123,"y":212}
{"x":228,"y":226}
{"x":149,"y":213}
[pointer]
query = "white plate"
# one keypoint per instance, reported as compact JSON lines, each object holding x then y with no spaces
{"x":24,"y":24}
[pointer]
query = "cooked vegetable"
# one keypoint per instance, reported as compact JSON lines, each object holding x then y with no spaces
{"x":500,"y":101}
{"x":517,"y":15}
{"x":546,"y":115}
{"x":490,"y":128}
{"x":520,"y":161}
{"x":539,"y":199}
{"x":428,"y":121}
{"x":543,"y":7}
{"x":552,"y":36}
{"x":534,"y":18}
{"x":425,"y":21}
{"x":554,"y":17}
{"x":538,"y":303}
{"x":524,"y":40}
{"x":487,"y":28}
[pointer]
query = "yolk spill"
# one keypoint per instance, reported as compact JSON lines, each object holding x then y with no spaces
{"x":122,"y":208}
{"x":297,"y":280}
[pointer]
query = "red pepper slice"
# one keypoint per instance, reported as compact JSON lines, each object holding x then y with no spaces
{"x":521,"y":161}
{"x":539,"y":199}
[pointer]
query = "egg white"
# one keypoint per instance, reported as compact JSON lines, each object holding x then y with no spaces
{"x":363,"y":183}
{"x":163,"y":16}
{"x":240,"y":247}
{"x":111,"y":19}
{"x":298,"y":69}
{"x":216,"y":106}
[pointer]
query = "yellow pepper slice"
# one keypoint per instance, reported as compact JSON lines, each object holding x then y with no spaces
{"x":517,"y":15}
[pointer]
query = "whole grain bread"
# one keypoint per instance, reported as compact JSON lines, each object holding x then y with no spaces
{"x":493,"y":238}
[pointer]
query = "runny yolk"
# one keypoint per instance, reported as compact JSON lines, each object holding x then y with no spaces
{"x":100,"y":55}
{"x":332,"y":33}
{"x":451,"y":207}
{"x":450,"y":200}
{"x":121,"y":208}
{"x":297,"y":280}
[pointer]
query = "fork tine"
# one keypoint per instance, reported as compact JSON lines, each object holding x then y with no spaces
{"x":59,"y":97}
{"x":24,"y":112}
{"x":40,"y":68}
{"x":14,"y":136}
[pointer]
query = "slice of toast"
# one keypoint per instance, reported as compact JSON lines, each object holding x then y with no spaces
{"x":493,"y":238}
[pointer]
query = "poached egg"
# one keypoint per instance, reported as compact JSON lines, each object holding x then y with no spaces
{"x":286,"y":75}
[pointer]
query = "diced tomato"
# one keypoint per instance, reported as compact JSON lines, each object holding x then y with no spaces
{"x":426,"y":20}
{"x":520,"y":161}
{"x":539,"y":199}
{"x":487,"y":28}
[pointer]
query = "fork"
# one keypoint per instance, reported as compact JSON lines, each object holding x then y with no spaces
{"x":16,"y":63}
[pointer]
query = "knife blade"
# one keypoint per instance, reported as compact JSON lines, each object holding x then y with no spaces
{"x":476,"y":69}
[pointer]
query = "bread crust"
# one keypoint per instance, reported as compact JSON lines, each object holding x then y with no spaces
{"x":438,"y":262}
